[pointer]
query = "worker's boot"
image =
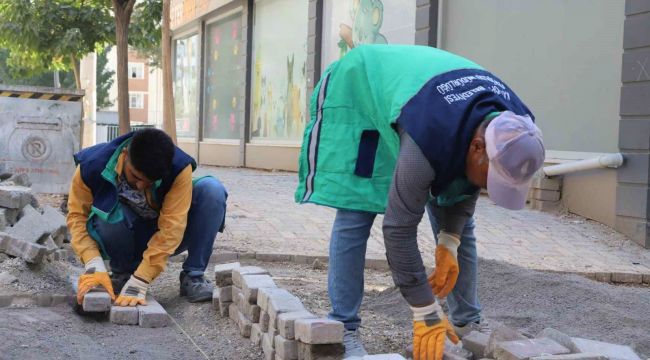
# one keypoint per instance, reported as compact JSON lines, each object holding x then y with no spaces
{"x":482,"y":326}
{"x":118,"y":280}
{"x":353,"y":345}
{"x":196,"y":288}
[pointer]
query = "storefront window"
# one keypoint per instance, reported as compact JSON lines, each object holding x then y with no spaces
{"x":186,"y":68}
{"x":278,"y":103}
{"x":350,"y":23}
{"x":223,"y":79}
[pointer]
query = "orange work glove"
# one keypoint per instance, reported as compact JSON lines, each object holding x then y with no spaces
{"x":94,"y":276}
{"x":430,"y":327}
{"x":445,"y":274}
{"x":133,"y":293}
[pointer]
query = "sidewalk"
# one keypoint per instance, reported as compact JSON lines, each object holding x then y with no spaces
{"x":263,"y":218}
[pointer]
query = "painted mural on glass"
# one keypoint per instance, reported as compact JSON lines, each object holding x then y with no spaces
{"x":350,"y":23}
{"x":185,"y":86}
{"x":222,"y":120}
{"x":279,"y":60}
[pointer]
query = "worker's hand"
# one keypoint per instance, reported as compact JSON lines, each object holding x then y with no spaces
{"x":133,"y":293}
{"x":430,"y":326}
{"x":94,"y":276}
{"x":445,"y":274}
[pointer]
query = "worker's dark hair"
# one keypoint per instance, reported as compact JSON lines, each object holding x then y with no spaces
{"x":151,"y":152}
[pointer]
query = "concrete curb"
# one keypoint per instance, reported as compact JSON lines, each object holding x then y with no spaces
{"x":614,"y":277}
{"x":223,"y":257}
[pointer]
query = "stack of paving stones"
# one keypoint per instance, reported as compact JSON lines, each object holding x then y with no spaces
{"x":274,"y":319}
{"x":504,"y":343}
{"x":26,"y":231}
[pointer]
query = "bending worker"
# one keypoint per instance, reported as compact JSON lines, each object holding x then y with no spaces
{"x":133,"y":201}
{"x":395,"y":130}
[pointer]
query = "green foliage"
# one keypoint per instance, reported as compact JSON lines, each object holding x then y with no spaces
{"x":66,"y":78}
{"x":104,"y":79}
{"x":145,"y":31}
{"x":44,"y":35}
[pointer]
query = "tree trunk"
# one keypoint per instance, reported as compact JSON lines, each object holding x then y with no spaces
{"x":169,"y":116}
{"x":76,"y":71}
{"x":57,"y":82}
{"x":123,"y":10}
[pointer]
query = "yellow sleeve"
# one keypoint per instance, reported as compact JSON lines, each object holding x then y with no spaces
{"x":80,"y":200}
{"x":171,"y":227}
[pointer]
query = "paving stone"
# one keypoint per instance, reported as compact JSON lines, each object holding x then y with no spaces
{"x":320,"y":351}
{"x":3,"y":219}
{"x":286,"y":349}
{"x":269,"y":257}
{"x":272,"y":330}
{"x":30,"y":252}
{"x":224,"y":308}
{"x":256,"y":335}
{"x":476,"y":342}
{"x":11,"y":216}
{"x":251,"y":284}
{"x":264,"y":321}
{"x":21,"y":179}
{"x":215,"y":298}
{"x":557,"y":336}
{"x":236,"y":292}
{"x":455,"y":352}
{"x":237,"y":273}
{"x":56,"y":224}
{"x":252,"y":312}
{"x":579,"y":356}
{"x":125,"y":315}
{"x":264,"y":294}
{"x":152,"y":315}
{"x":281,"y":303}
{"x":15,"y":197}
{"x":500,"y":334}
{"x":244,"y":325}
{"x":223,"y":257}
{"x":50,"y":245}
{"x":225,"y":293}
{"x":267,"y":346}
{"x":612,"y":351}
{"x":240,"y":301}
{"x":627,"y":278}
{"x":223,"y":274}
{"x":529,"y":348}
{"x":31,"y":227}
{"x":603,"y":276}
{"x":233,"y":313}
{"x":6,"y":278}
{"x":319,"y":331}
{"x":96,"y":301}
{"x":286,"y":322}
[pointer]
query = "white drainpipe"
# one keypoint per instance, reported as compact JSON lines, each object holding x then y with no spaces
{"x":603,"y":161}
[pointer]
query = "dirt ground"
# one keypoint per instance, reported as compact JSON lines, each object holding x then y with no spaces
{"x":521,"y":298}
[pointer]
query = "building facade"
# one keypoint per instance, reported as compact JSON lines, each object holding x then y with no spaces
{"x":244,"y":71}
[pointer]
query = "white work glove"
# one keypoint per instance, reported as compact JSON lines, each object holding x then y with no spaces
{"x":133,"y":293}
{"x":445,"y":274}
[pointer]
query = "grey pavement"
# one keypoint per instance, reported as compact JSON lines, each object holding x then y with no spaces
{"x":263,"y":218}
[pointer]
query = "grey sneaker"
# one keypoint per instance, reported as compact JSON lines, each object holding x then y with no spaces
{"x":482,"y":326}
{"x":196,"y":288}
{"x":353,"y":345}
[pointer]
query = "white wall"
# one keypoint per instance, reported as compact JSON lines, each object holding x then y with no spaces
{"x":563,"y":58}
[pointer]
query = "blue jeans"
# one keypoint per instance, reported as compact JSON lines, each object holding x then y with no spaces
{"x":126,"y":241}
{"x":347,"y":260}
